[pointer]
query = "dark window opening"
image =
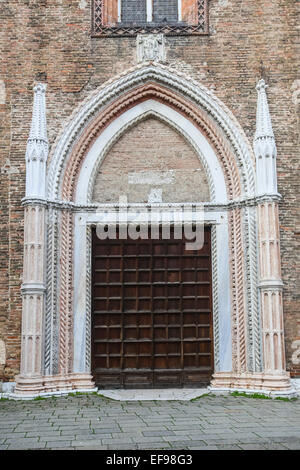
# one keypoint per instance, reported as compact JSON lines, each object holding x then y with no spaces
{"x":165,"y":11}
{"x":133,"y":12}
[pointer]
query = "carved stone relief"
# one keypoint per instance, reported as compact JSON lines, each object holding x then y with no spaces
{"x":151,"y":47}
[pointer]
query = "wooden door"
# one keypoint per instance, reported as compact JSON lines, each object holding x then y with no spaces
{"x":151,"y":313}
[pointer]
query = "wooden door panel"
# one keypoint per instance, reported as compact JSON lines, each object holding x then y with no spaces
{"x":151,"y":313}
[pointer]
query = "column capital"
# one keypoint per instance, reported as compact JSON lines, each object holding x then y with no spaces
{"x":33,"y":288}
{"x":271,"y":284}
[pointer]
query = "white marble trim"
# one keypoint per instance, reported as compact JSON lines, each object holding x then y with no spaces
{"x":181,"y":394}
{"x":221,"y":312}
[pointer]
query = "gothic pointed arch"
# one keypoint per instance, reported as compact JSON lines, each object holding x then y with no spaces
{"x":160,"y":83}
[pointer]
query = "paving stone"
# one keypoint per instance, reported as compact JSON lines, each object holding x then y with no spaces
{"x":252,"y":446}
{"x":97,"y":437}
{"x":155,"y":426}
{"x":185,"y":443}
{"x":27,"y":446}
{"x":292,"y":445}
{"x":19,"y":440}
{"x":58,"y":444}
{"x":15,"y":435}
{"x":122,"y":447}
{"x":154,"y":446}
{"x":50,"y":432}
{"x":276,"y":446}
{"x":221,"y":441}
{"x":88,"y":447}
{"x":106,"y":430}
{"x":203,"y":448}
{"x":56,"y":438}
{"x":228,"y":447}
{"x":4,"y":446}
{"x":158,"y":433}
{"x":89,"y":442}
{"x":124,"y":440}
{"x":270,"y":434}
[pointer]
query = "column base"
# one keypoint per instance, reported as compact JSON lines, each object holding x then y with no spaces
{"x":32,"y":387}
{"x":28,"y":386}
{"x":277,"y":384}
{"x":82,"y":381}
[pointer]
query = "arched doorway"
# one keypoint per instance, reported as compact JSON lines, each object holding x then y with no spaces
{"x":69,"y":211}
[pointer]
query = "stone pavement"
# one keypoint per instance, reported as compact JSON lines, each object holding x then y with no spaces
{"x":96,"y":422}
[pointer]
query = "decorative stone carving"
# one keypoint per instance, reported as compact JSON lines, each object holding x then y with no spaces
{"x":151,"y":47}
{"x":65,"y":320}
{"x":33,"y":287}
{"x":264,"y":145}
{"x":155,"y":86}
{"x":273,"y":376}
{"x":239,"y":330}
{"x":51,"y":314}
{"x":270,"y":283}
{"x":251,"y":261}
{"x":37,"y":146}
{"x":193,"y":98}
{"x":155,"y":195}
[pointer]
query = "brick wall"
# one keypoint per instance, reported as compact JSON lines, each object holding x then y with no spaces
{"x":51,"y":40}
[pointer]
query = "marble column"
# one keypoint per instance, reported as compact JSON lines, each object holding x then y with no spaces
{"x":30,"y":379}
{"x":270,"y":283}
{"x":273,"y":377}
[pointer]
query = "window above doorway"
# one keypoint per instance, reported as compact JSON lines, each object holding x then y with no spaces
{"x":119,"y":18}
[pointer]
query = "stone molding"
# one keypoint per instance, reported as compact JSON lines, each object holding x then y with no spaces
{"x":51,"y":310}
{"x":271,"y":284}
{"x":229,"y":205}
{"x":29,"y":288}
{"x":215,"y":298}
{"x":254,"y":340}
{"x":275,"y":383}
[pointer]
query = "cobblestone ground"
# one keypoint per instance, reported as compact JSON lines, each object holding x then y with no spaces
{"x":95,"y":422}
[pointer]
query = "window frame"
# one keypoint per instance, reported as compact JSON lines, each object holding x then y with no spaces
{"x":100,"y":30}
